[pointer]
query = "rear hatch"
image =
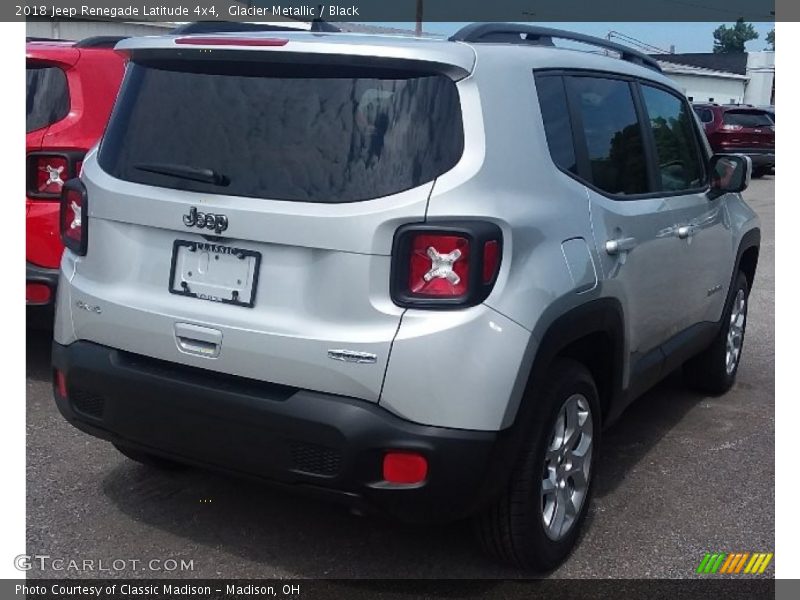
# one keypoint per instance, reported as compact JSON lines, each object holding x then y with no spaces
{"x":242,"y":211}
{"x":747,"y":128}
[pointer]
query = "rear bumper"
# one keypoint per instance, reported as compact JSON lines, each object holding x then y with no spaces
{"x":311,"y":441}
{"x":761,"y":158}
{"x":43,"y":275}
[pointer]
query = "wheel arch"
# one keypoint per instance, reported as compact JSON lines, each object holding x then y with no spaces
{"x":591,"y":333}
{"x":747,"y":256}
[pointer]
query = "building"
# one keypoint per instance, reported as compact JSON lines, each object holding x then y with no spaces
{"x":725,"y":78}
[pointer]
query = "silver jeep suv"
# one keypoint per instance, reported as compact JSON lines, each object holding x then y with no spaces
{"x":416,"y":275}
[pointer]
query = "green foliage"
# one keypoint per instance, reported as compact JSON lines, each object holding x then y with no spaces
{"x":733,"y":39}
{"x":771,"y":40}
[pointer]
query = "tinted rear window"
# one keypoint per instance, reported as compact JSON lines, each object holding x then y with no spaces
{"x":284,"y":132}
{"x":47,"y":96}
{"x":746,"y":118}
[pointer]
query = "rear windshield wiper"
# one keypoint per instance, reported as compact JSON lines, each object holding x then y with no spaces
{"x":185,"y":172}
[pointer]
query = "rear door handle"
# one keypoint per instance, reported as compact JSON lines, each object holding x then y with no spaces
{"x":618,"y":245}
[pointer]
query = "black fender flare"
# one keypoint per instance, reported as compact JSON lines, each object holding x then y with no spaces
{"x":602,"y":315}
{"x":751,"y":239}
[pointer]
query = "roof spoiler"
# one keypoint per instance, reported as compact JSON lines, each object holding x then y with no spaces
{"x":100,"y":41}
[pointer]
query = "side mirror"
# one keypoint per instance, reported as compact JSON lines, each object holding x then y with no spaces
{"x":730,"y":173}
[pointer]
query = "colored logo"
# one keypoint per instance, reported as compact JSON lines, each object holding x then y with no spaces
{"x":735,"y":563}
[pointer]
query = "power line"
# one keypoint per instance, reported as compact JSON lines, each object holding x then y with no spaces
{"x":636,"y":42}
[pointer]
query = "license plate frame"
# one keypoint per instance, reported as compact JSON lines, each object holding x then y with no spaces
{"x":179,"y":285}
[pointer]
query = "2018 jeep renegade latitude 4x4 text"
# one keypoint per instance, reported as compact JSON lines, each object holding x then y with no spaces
{"x":418,"y":275}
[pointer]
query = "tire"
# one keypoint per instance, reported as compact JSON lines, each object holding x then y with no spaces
{"x":713,"y":371}
{"x":150,"y":460}
{"x":515,"y":528}
{"x":758,"y":173}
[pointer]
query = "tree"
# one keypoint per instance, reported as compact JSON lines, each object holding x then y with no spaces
{"x":771,"y":40}
{"x":733,"y":39}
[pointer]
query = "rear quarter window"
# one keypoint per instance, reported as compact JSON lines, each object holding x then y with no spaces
{"x":47,"y":96}
{"x":284,"y":132}
{"x":557,"y":125}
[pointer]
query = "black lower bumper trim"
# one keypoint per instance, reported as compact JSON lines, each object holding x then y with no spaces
{"x":43,"y":275}
{"x":760,"y":158}
{"x":324,"y":443}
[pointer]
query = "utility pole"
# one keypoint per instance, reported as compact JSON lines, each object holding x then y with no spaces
{"x":418,"y":29}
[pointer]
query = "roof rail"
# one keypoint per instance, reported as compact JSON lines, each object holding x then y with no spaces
{"x":515,"y":33}
{"x":100,"y":41}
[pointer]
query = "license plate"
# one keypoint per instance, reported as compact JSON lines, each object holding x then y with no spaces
{"x":214,"y":272}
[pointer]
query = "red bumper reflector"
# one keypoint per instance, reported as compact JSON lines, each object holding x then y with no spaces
{"x":37,"y":293}
{"x":404,"y":467}
{"x":61,"y":383}
{"x":230,"y":41}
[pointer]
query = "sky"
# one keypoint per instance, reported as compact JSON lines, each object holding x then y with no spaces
{"x":687,"y":37}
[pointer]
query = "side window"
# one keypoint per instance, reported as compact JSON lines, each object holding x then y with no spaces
{"x":557,"y":125}
{"x":47,"y":96}
{"x":706,"y":116}
{"x":677,"y":151}
{"x":613,"y":135}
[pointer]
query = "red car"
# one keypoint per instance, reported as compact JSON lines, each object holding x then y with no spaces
{"x":740,"y":129}
{"x":71,"y":87}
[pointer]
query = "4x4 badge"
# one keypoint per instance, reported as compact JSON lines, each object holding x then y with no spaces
{"x":218,"y":223}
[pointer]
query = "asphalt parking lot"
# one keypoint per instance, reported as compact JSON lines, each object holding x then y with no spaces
{"x":679,"y":475}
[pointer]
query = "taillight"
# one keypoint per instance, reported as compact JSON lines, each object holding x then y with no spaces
{"x":74,"y":216}
{"x":449,"y":265}
{"x":47,"y":172}
{"x":491,"y":260}
{"x":439,"y":265}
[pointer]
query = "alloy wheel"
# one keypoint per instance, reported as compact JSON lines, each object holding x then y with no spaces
{"x":567,"y":466}
{"x":733,"y":345}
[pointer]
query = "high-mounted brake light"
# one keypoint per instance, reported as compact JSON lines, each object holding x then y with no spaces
{"x":449,"y":265}
{"x":729,"y":127}
{"x":74,"y":216}
{"x":230,"y":41}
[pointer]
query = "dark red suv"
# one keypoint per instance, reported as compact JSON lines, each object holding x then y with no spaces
{"x":740,"y":129}
{"x":71,"y":87}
